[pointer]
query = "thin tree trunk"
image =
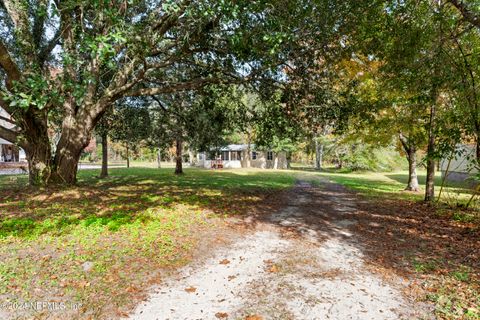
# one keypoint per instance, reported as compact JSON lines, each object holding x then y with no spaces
{"x":318,"y":154}
{"x":104,"y":172}
{"x":128,"y":156}
{"x":444,"y":179}
{"x":430,"y":182}
{"x":248,"y":160}
{"x":178,"y":158}
{"x":191,"y":158}
{"x":159,"y":158}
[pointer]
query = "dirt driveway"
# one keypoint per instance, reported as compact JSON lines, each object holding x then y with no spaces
{"x":302,"y":262}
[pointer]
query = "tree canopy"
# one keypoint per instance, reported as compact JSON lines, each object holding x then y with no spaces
{"x":409,"y":68}
{"x":63,"y":63}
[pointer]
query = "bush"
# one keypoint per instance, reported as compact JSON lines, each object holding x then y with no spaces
{"x":362,"y":157}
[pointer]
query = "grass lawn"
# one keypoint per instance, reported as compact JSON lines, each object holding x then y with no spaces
{"x":392,"y":184}
{"x":100,"y":243}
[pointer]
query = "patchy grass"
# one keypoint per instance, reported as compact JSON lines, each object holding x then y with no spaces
{"x":101,"y":243}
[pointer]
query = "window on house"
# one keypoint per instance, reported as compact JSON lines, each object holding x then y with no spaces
{"x":269,"y":155}
{"x":236,"y":155}
{"x":254,"y":155}
{"x":225,"y":156}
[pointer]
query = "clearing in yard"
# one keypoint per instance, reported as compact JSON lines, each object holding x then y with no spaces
{"x":99,"y":245}
{"x":243,"y":244}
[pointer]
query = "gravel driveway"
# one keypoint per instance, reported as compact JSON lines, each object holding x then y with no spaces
{"x":301,"y":262}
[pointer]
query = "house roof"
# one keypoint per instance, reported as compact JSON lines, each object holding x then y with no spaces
{"x":4,"y":123}
{"x":3,"y":141}
{"x":237,"y":147}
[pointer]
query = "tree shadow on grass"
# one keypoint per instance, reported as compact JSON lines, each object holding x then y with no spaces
{"x":133,"y":196}
{"x":398,"y":235}
{"x":371,"y":187}
{"x":403,"y":178}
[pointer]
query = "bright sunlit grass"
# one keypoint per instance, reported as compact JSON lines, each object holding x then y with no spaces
{"x":392,"y":184}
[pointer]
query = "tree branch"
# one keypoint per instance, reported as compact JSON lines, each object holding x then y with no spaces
{"x":22,"y":24}
{"x":7,"y":64}
{"x":47,"y":49}
{"x":467,"y":13}
{"x":169,"y":88}
{"x":39,"y":23}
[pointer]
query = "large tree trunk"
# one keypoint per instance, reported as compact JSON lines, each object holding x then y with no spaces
{"x":67,"y":156}
{"x":430,"y":182}
{"x":104,"y":172}
{"x":37,"y":148}
{"x":178,"y":157}
{"x":44,"y":168}
{"x":39,"y":159}
{"x":412,"y":184}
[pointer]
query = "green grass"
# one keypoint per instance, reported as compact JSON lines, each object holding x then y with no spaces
{"x":129,"y":225}
{"x":144,"y":219}
{"x":392,"y":185}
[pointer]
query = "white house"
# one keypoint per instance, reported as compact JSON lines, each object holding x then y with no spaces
{"x":8,"y":151}
{"x":235,"y":156}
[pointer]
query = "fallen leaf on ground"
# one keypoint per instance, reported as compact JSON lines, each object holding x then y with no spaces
{"x":225,"y":261}
{"x":273,"y":269}
{"x":131,"y":289}
{"x":231,"y":278}
{"x":221,"y":315}
{"x":254,"y":317}
{"x":191,"y":289}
